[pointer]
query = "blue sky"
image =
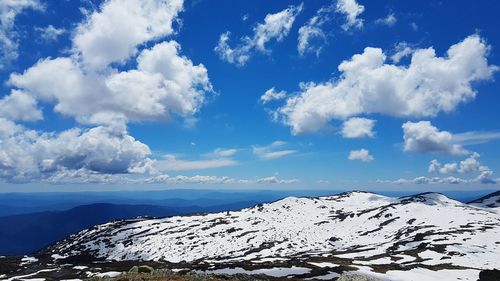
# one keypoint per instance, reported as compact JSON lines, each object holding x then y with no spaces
{"x":130,"y":94}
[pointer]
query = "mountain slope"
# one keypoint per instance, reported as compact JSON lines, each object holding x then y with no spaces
{"x":351,"y":229}
{"x":491,"y":200}
{"x":23,"y":234}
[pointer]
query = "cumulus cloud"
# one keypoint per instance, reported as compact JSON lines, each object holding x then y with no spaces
{"x":483,"y":178}
{"x":351,"y":10}
{"x":427,"y":180}
{"x":90,"y":86}
{"x":20,"y":106}
{"x":389,"y":20}
{"x":9,"y":41}
{"x":275,"y":27}
{"x":436,"y":167}
{"x":50,"y":33}
{"x":360,"y":155}
{"x":113,"y":33}
{"x":272,"y":151}
{"x":311,"y":35}
{"x":8,"y":128}
{"x":469,"y":165}
{"x":424,"y":137}
{"x":164,"y":84}
{"x":427,"y":86}
{"x":356,"y":127}
{"x":27,"y":155}
{"x":271,"y":95}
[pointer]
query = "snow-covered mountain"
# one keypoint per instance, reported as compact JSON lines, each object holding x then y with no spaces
{"x":355,"y":230}
{"x":491,"y":200}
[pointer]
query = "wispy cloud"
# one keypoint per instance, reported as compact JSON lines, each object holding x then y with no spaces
{"x":275,"y":27}
{"x":172,"y":163}
{"x":272,"y":151}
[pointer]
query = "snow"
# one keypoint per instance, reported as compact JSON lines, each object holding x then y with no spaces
{"x":368,"y":229}
{"x":274,"y":272}
{"x":58,"y":256}
{"x":269,"y":260}
{"x":328,"y":276}
{"x":323,"y":264}
{"x":27,"y":260}
{"x":80,"y":267}
{"x":384,"y":260}
{"x":24,"y":277}
{"x":418,"y":274}
{"x":105,"y":274}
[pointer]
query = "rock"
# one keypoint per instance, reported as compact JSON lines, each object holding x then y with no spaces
{"x":489,"y":275}
{"x":356,"y":277}
{"x":146,"y":269}
{"x":134,"y":269}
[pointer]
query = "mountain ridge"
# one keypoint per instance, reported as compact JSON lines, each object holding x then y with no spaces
{"x":389,"y":238}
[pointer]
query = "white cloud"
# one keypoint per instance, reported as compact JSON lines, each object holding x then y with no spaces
{"x":426,"y":180}
{"x":483,"y":178}
{"x":163,"y":84}
{"x":361,"y":155}
{"x":87,"y":87}
{"x":272,"y":151}
{"x":19,"y":106}
{"x":113,"y":33}
{"x":8,"y":128}
{"x":402,"y":50}
{"x":85,"y":177}
{"x":271,"y":95}
{"x":220,"y":152}
{"x":436,"y":167}
{"x":356,"y":127}
{"x":218,"y":158}
{"x":9,"y":41}
{"x":171,"y":163}
{"x":27,"y":155}
{"x":50,"y":33}
{"x":351,"y":9}
{"x":469,"y":165}
{"x":275,"y":180}
{"x":239,"y":55}
{"x":424,"y":137}
{"x":475,"y":137}
{"x":311,"y":35}
{"x":200,"y":179}
{"x":389,"y":20}
{"x":369,"y":85}
{"x":275,"y":27}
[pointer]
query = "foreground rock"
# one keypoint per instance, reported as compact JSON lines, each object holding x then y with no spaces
{"x":356,"y":277}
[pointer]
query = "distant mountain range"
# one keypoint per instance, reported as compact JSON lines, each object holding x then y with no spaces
{"x":24,"y":203}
